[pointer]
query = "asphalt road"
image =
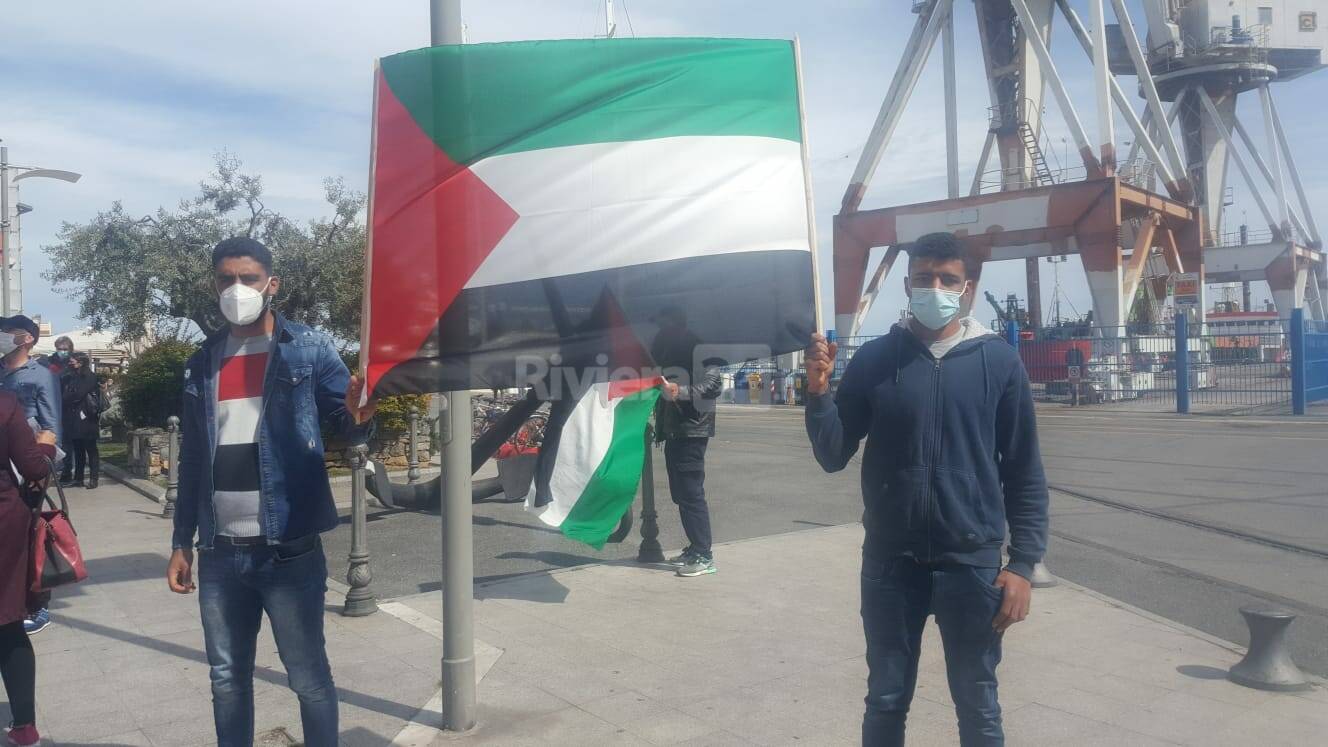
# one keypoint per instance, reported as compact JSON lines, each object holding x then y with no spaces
{"x":1190,"y":518}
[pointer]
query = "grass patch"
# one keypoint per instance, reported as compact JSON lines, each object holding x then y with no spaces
{"x":117,"y":453}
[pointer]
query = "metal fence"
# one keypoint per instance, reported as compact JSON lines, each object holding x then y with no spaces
{"x":1246,"y":364}
{"x":1086,"y":365}
{"x":1255,"y":366}
{"x":1310,"y":372}
{"x":1230,"y":366}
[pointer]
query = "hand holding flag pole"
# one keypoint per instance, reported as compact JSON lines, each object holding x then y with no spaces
{"x":358,"y":404}
{"x":820,"y":362}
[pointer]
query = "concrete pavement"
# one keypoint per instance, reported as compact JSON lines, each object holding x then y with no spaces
{"x":767,"y":651}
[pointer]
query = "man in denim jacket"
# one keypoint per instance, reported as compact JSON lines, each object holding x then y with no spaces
{"x":253,"y":488}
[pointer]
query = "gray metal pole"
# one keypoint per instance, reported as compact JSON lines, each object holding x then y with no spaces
{"x":1054,"y":79}
{"x":458,"y":664}
{"x":914,"y":58}
{"x":173,"y":460}
{"x":1262,"y":165}
{"x":1106,"y":125}
{"x":4,"y":229}
{"x":445,"y":26}
{"x":1147,"y":86}
{"x":458,"y":569}
{"x":1236,"y":157}
{"x":413,"y":444}
{"x":1275,"y":153}
{"x":360,"y":599}
{"x":951,"y":107}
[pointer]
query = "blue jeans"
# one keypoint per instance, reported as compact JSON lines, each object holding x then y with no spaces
{"x":897,"y":596}
{"x":236,"y":585}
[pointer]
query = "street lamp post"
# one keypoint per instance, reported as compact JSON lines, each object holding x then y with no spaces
{"x":6,"y":224}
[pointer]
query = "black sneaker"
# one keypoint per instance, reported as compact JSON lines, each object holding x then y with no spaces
{"x":681,"y":559}
{"x":92,"y":484}
{"x":698,"y":566}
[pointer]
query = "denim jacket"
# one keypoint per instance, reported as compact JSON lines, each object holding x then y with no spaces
{"x":38,"y":390}
{"x":304,"y":385}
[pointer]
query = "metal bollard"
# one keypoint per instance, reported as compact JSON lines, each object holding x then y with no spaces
{"x":413,"y":459}
{"x":1268,"y":665}
{"x":1042,"y":578}
{"x":359,"y":600}
{"x":650,"y":550}
{"x":172,"y":459}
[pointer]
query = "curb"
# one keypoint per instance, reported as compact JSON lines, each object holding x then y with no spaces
{"x":424,"y":475}
{"x":145,"y":488}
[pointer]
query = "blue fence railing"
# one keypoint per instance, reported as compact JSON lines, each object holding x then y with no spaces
{"x":1309,"y":362}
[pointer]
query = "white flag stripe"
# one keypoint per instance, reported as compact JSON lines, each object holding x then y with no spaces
{"x":585,"y":440}
{"x":630,"y":203}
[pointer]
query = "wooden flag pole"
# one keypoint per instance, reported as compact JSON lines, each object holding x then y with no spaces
{"x":807,"y":184}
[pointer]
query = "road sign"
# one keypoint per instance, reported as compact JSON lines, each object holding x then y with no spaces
{"x":1185,"y":290}
{"x":1075,"y":373}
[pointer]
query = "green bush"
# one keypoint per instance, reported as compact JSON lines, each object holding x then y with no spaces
{"x":151,"y":387}
{"x":393,"y":414}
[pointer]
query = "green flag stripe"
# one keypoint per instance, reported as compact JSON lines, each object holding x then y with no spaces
{"x":479,"y":100}
{"x":612,"y":488}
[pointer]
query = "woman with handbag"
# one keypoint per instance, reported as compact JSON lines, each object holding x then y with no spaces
{"x":30,"y":456}
{"x":81,"y":396}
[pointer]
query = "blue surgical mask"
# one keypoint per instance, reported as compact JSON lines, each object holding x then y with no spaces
{"x":934,"y":307}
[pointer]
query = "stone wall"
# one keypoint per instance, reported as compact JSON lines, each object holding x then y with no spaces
{"x":147,"y":452}
{"x":393,"y":450}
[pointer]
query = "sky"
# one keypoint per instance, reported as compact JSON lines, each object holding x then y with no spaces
{"x":138,"y":95}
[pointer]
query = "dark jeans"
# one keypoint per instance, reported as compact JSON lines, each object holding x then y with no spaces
{"x":18,"y":669}
{"x":897,"y":597}
{"x":685,"y":460}
{"x":236,"y":585}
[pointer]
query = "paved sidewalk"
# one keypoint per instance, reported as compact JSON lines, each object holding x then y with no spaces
{"x":767,"y":651}
{"x":123,"y":661}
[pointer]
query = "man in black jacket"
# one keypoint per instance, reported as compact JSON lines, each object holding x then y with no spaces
{"x":685,"y":422}
{"x":952,"y":458}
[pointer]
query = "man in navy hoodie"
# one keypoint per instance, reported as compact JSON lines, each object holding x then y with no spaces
{"x":951,"y":459}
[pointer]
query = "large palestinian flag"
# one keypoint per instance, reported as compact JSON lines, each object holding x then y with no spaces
{"x":514,"y":184}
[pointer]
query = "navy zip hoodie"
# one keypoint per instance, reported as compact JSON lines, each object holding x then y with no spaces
{"x":952,"y":451}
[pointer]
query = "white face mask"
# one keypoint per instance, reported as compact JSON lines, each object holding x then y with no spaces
{"x":242,"y":305}
{"x":7,"y":344}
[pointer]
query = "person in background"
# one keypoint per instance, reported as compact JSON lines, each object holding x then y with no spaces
{"x":59,"y":360}
{"x":685,"y":422}
{"x":58,"y":363}
{"x":952,"y":458}
{"x":254,"y":492}
{"x":38,"y":393}
{"x":18,"y":665}
{"x":81,"y":395}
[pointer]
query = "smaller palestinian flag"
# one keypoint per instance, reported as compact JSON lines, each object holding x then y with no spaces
{"x":596,"y":459}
